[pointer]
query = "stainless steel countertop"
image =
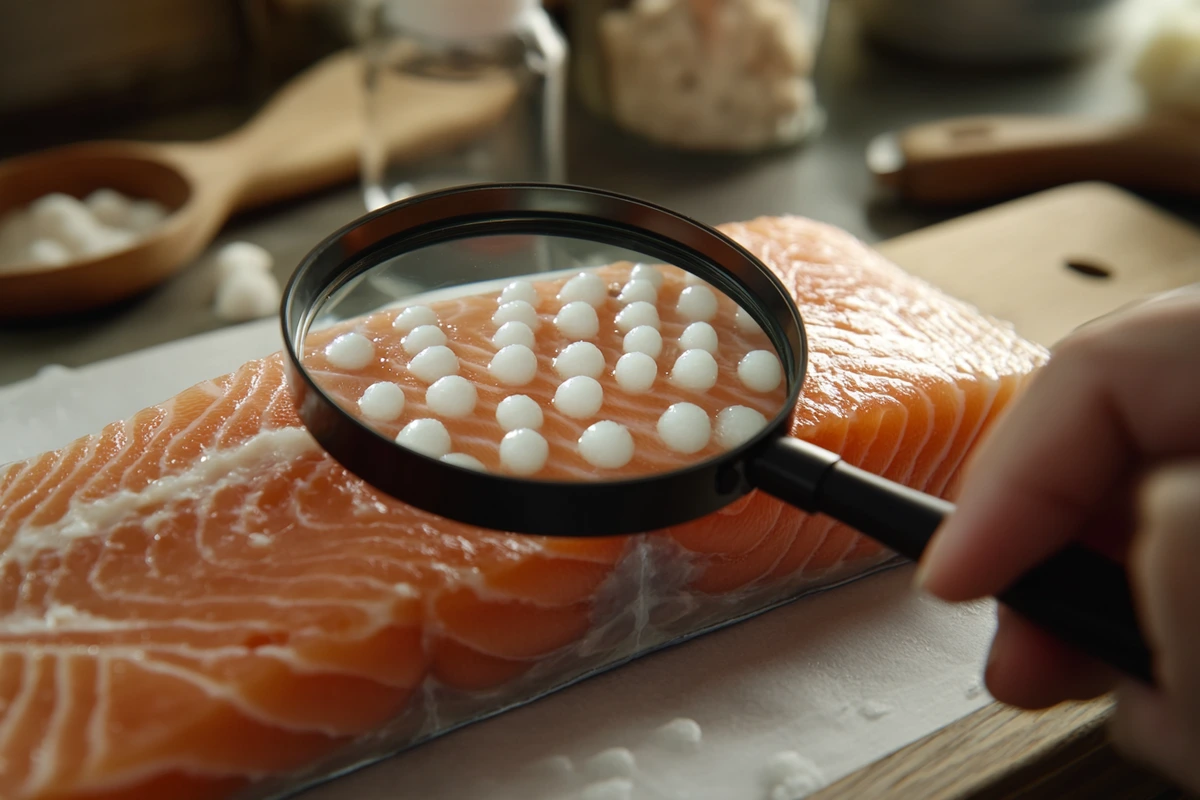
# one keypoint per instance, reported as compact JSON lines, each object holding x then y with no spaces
{"x":864,"y":91}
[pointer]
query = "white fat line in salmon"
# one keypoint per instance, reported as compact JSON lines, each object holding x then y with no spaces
{"x":207,"y":474}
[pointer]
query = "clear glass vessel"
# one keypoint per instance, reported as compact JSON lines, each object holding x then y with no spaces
{"x":461,"y":92}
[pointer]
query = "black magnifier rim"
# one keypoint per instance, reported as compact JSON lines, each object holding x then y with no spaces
{"x":532,"y":506}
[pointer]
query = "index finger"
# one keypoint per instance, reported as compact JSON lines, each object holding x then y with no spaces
{"x":1114,"y":395}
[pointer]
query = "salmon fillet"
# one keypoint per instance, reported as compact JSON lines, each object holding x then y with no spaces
{"x":197,"y":602}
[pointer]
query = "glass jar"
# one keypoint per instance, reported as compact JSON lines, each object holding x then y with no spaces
{"x":460,"y":92}
{"x":709,"y":75}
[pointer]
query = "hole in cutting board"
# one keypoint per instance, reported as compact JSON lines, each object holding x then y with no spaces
{"x":1089,"y":267}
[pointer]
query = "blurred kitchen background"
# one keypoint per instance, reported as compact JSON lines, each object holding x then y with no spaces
{"x":721,"y":109}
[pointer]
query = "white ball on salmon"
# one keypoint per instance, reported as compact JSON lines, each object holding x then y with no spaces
{"x":637,"y":291}
{"x":685,"y":428}
{"x":695,"y":370}
{"x":607,"y":445}
{"x":587,"y":287}
{"x":513,"y":333}
{"x":452,"y":396}
{"x":383,"y":401}
{"x":433,"y":363}
{"x":699,"y":336}
{"x":464,"y":460}
{"x":737,"y":425}
{"x":635,"y":315}
{"x":636,"y":372}
{"x":517,"y":311}
{"x":519,"y":290}
{"x":579,"y":397}
{"x":745,"y":323}
{"x":414,"y":317}
{"x":519,"y":411}
{"x":513,"y":365}
{"x":697,"y":304}
{"x":645,"y":272}
{"x":350,"y":351}
{"x":428,"y":437}
{"x":523,"y":451}
{"x":578,"y":320}
{"x":579,"y":358}
{"x":421,"y":337}
{"x":643,"y":339}
{"x":760,"y":371}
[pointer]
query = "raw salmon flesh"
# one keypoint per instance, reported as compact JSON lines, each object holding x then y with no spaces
{"x":197,"y":599}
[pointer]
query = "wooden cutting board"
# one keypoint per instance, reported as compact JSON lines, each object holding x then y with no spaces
{"x":1047,"y":263}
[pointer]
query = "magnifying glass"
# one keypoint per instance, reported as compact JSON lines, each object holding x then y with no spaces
{"x":560,"y":361}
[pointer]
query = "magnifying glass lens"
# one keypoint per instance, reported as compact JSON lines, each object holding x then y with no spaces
{"x":545,"y":357}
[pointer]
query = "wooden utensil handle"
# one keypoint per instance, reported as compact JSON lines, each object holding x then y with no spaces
{"x":306,"y":137}
{"x":984,"y":158}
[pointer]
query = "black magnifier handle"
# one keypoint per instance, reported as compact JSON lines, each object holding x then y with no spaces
{"x":1077,"y":595}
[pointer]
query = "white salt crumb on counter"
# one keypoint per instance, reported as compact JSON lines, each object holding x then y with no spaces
{"x":433,"y":363}
{"x":422,"y":337}
{"x":579,"y":397}
{"x":645,"y":272}
{"x":685,"y":428}
{"x":519,"y":290}
{"x":760,"y":371}
{"x":636,"y":315}
{"x":350,"y":351}
{"x":523,"y":451}
{"x":737,"y":425}
{"x":745,"y":323}
{"x":513,"y":333}
{"x":519,"y":411}
{"x":452,"y":396}
{"x":974,"y":689}
{"x":681,"y":733}
{"x":414,"y":317}
{"x":465,"y":461}
{"x":517,"y":311}
{"x":587,"y":287}
{"x":874,"y":710}
{"x":382,"y":401}
{"x":636,"y":372}
{"x":579,"y":358}
{"x":791,"y":776}
{"x":611,"y":763}
{"x":638,"y":291}
{"x":426,"y":436}
{"x":577,"y":319}
{"x":699,"y":336}
{"x":607,"y":445}
{"x":643,"y":339}
{"x":697,"y":303}
{"x":695,"y":370}
{"x":611,"y":789}
{"x":240,"y":256}
{"x":513,"y":365}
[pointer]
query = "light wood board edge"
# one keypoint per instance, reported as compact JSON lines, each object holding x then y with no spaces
{"x":999,"y":751}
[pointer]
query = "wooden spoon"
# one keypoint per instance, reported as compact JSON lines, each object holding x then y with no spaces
{"x":306,"y":138}
{"x":991,"y":158}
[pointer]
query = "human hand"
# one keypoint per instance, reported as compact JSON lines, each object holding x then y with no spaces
{"x":1104,"y":448}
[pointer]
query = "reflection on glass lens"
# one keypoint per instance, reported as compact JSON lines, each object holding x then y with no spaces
{"x":590,"y":363}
